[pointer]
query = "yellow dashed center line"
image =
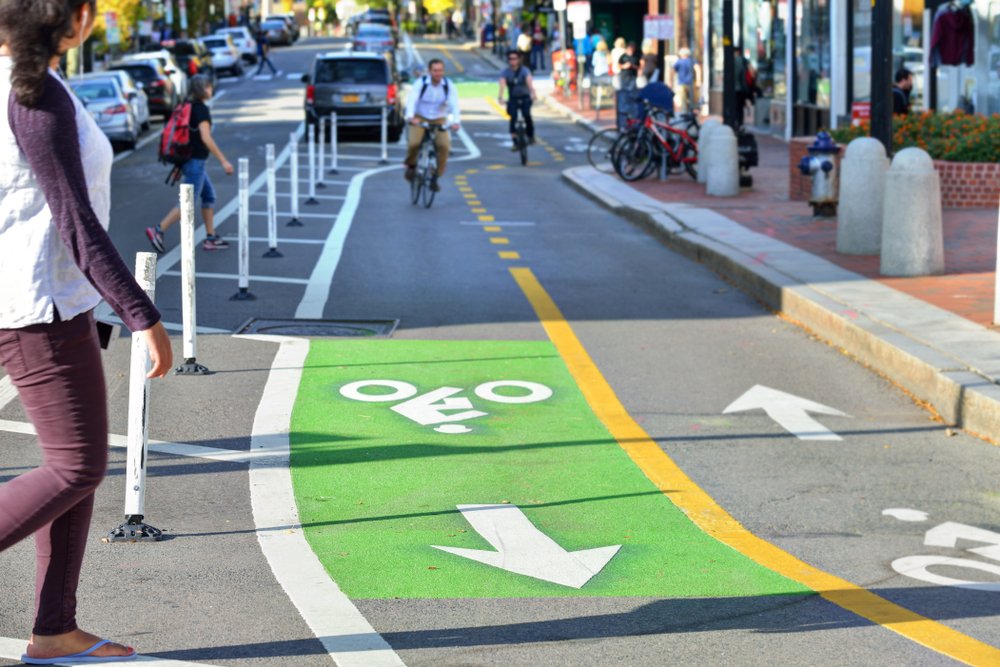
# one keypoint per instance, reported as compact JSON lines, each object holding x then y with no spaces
{"x":479,"y":210}
{"x":499,"y":240}
{"x":469,"y":196}
{"x":487,"y":218}
{"x":492,"y":228}
{"x":508,"y":254}
{"x":454,"y":61}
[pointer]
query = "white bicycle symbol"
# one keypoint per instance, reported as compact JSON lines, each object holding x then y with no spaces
{"x":948,"y":534}
{"x":430,"y":408}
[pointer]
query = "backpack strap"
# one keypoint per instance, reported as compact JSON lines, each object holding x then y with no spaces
{"x":426,"y":82}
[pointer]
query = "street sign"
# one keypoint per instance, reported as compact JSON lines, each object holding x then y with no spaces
{"x":658,"y":26}
{"x":578,"y":12}
{"x":559,"y":5}
{"x":112,"y":33}
{"x":860,"y":112}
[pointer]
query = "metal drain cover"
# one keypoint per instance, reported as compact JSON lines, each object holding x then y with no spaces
{"x":317,"y":328}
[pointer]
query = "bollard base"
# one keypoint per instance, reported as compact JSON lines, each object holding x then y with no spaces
{"x":312,"y":202}
{"x":333,"y":171}
{"x":191,"y":367}
{"x":825,"y":209}
{"x":243,"y":295}
{"x":321,"y":185}
{"x":273,"y":252}
{"x":294,"y":222}
{"x":133,"y":530}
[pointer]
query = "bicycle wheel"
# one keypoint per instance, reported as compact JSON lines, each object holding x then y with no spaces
{"x":599,"y":150}
{"x":690,"y":156}
{"x":635,"y":158}
{"x":522,"y":144}
{"x":428,"y":177}
{"x":416,"y":185}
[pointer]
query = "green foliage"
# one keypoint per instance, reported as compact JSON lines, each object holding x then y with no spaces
{"x":955,"y":136}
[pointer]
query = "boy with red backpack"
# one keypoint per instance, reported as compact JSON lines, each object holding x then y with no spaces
{"x":187,"y":143}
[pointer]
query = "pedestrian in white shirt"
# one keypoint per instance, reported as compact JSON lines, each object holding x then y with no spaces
{"x":432,"y":101}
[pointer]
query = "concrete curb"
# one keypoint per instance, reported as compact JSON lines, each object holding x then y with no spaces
{"x":848,"y":310}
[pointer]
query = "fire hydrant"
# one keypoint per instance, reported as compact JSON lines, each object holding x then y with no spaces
{"x":821,"y":166}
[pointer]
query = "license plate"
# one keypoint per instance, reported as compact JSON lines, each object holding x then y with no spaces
{"x":350,"y":99}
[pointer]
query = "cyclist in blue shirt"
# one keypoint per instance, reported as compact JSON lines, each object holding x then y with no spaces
{"x":516,"y":79}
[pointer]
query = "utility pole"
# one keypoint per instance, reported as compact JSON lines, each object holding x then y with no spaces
{"x":882,"y":73}
{"x":729,"y":111}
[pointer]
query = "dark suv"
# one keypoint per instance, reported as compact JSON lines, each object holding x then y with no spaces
{"x":154,"y":81}
{"x":356,"y":86}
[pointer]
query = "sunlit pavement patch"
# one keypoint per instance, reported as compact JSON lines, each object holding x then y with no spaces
{"x":390,"y":438}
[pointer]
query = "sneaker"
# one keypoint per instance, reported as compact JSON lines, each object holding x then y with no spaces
{"x":531,"y":141}
{"x":155,"y":237}
{"x":434,"y":184}
{"x":410,"y":173}
{"x":514,"y":147}
{"x":209,"y":244}
{"x":217,"y":240}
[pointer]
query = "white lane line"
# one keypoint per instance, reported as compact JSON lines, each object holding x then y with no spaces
{"x":305,"y":179}
{"x":347,"y":636}
{"x":287,"y":214}
{"x":153,"y":136}
{"x":7,"y":391}
{"x":159,"y":446}
{"x":264,"y":239}
{"x":234,"y":277}
{"x":320,"y":282}
{"x":289,"y":194}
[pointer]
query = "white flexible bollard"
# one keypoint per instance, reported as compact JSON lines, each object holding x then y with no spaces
{"x":723,"y":178}
{"x":912,"y":230}
{"x":334,"y":150}
{"x":385,"y":135}
{"x":189,"y":311}
{"x":859,"y":205}
{"x":703,"y":160}
{"x":243,"y":242}
{"x":272,"y":206}
{"x":320,"y":157}
{"x":293,"y":158}
{"x":134,"y":529}
{"x":311,"y":137}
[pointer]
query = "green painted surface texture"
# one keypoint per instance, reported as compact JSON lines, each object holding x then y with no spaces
{"x":376,"y":490}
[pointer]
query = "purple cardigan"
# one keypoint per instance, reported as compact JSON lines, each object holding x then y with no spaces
{"x":48,"y":138}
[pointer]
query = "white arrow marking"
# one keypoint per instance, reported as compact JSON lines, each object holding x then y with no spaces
{"x":905,"y":514}
{"x":790,"y":411}
{"x":523,"y":549}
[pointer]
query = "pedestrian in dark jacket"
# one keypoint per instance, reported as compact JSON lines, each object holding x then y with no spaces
{"x":901,"y":88}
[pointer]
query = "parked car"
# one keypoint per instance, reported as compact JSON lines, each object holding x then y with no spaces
{"x":192,"y":57}
{"x":244,"y":42}
{"x":170,"y":66}
{"x":277,"y":31}
{"x":374,"y":38}
{"x":291,"y":22}
{"x":149,"y":74}
{"x":108,"y":104}
{"x":356,"y":86}
{"x":135,"y":95}
{"x":225,"y":55}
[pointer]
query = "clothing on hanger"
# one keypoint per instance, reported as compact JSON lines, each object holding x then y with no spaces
{"x":953,"y":37}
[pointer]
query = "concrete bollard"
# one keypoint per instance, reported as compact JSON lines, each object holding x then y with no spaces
{"x":706,"y":131}
{"x":912,"y":233}
{"x":723,"y":178}
{"x":862,"y":188}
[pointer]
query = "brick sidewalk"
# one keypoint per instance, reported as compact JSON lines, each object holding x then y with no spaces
{"x":970,"y":235}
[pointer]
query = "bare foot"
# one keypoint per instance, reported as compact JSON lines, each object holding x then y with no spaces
{"x":70,"y":643}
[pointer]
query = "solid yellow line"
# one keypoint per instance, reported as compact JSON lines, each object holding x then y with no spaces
{"x":454,"y":61}
{"x":509,"y":254}
{"x":499,"y":109}
{"x":713,"y":519}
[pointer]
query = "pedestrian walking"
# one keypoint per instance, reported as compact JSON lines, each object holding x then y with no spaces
{"x":616,"y":68}
{"x":194,"y":171}
{"x":628,"y":67}
{"x":264,"y":53}
{"x":901,"y":88}
{"x":687,"y":76}
{"x":56,"y":264}
{"x":538,"y":38}
{"x":649,"y":68}
{"x":602,"y":63}
{"x":525,"y":43}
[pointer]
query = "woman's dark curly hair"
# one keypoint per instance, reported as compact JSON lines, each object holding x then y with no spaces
{"x":32,"y":30}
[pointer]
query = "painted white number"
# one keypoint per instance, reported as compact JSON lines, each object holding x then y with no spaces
{"x":948,"y":534}
{"x":442,"y":408}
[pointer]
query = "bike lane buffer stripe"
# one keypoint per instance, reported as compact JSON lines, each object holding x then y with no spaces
{"x":713,"y":519}
{"x":403,"y":450}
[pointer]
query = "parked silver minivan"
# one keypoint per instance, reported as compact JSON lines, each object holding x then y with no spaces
{"x":356,"y":86}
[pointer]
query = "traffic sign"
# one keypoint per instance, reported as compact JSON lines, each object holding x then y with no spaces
{"x":578,"y":11}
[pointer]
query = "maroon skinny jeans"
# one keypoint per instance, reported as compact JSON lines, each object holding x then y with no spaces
{"x":58,"y":374}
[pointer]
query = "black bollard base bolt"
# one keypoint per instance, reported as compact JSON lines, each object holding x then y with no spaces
{"x":133,"y":530}
{"x":312,"y":202}
{"x":295,"y":222}
{"x":243,"y":295}
{"x":191,"y":367}
{"x":273,"y":252}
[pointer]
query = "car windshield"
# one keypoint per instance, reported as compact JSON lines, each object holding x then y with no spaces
{"x":274,"y":25}
{"x":184,"y":49}
{"x":95,"y":90}
{"x":144,"y":73}
{"x":215,"y":43}
{"x":351,"y":71}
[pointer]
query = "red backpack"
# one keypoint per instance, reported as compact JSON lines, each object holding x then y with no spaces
{"x":175,"y":142}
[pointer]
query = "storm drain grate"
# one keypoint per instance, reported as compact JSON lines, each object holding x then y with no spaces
{"x":319,"y":328}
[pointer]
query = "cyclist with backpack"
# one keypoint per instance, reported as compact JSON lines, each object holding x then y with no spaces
{"x":516,"y":79}
{"x":188,"y":146}
{"x":435,"y":104}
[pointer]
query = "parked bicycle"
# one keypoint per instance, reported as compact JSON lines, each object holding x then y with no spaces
{"x":427,"y":167}
{"x":638,"y":152}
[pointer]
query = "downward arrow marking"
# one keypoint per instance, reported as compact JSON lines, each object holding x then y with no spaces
{"x":523,"y":549}
{"x":790,"y":411}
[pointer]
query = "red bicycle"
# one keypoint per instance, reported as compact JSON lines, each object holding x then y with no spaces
{"x":639,"y":152}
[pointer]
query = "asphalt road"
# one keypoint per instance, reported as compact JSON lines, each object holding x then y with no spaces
{"x":676,"y":344}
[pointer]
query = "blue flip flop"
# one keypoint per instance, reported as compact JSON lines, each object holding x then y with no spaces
{"x":81,"y":658}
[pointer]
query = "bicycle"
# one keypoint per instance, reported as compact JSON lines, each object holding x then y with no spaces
{"x":427,"y":167}
{"x":521,"y":140}
{"x":638,"y":153}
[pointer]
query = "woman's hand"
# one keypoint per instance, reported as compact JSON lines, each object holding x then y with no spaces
{"x":160,"y":352}
{"x":227,"y":167}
